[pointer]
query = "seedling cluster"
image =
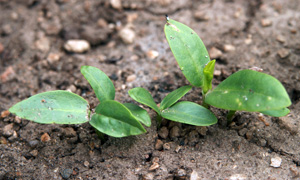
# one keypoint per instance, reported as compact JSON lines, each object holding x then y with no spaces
{"x":245,"y":90}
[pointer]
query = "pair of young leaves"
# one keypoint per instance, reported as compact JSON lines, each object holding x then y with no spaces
{"x":245,"y":90}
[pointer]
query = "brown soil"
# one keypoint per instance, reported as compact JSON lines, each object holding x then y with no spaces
{"x":264,"y":33}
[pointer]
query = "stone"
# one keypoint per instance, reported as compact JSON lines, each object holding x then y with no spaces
{"x":13,"y":137}
{"x":77,"y":46}
{"x":8,"y":74}
{"x":33,"y":143}
{"x":228,"y":48}
{"x":6,"y":29}
{"x":238,"y":177}
{"x":276,"y":162}
{"x":72,"y":88}
{"x":167,"y":146}
{"x":34,"y":153}
{"x":1,"y":48}
{"x":53,"y":57}
{"x":8,"y":130}
{"x":4,"y":114}
{"x":249,"y":135}
{"x":201,"y":16}
{"x":215,"y":53}
{"x":154,"y":166}
{"x":181,"y":174}
{"x":131,"y":78}
{"x":3,"y":140}
{"x":202,"y":130}
{"x":217,"y":73}
{"x":280,"y":39}
{"x":163,"y":132}
{"x":116,"y":4}
{"x":102,"y":23}
{"x":152,"y":54}
{"x":148,"y":176}
{"x":127,"y":35}
{"x":86,"y":163}
{"x":194,"y":175}
{"x":69,"y":132}
{"x":174,"y":132}
{"x":266,"y":22}
{"x":66,"y":173}
{"x":45,"y":137}
{"x":283,"y":53}
{"x":43,"y":44}
{"x":158,"y":145}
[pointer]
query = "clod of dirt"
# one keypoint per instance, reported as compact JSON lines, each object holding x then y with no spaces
{"x":1,"y":48}
{"x":215,"y":53}
{"x":102,"y":23}
{"x":174,"y":132}
{"x":202,"y":130}
{"x":77,"y":46}
{"x":289,"y":123}
{"x":166,"y":146}
{"x":276,"y":162}
{"x":127,"y":35}
{"x":158,"y":145}
{"x":7,"y":75}
{"x":95,"y":36}
{"x":34,"y":153}
{"x":163,"y":132}
{"x":45,"y":137}
{"x":69,"y":132}
{"x":8,"y":130}
{"x":283,"y":53}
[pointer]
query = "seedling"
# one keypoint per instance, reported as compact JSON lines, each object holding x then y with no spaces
{"x":245,"y":90}
{"x":183,"y":112}
{"x":63,"y":107}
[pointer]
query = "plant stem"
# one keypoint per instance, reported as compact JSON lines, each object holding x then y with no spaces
{"x":230,"y":116}
{"x":203,"y":103}
{"x":100,"y":135}
{"x":159,"y":119}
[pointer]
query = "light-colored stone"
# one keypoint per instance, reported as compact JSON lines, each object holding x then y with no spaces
{"x":43,"y":44}
{"x":116,"y":4}
{"x":167,"y":146}
{"x":86,"y":163}
{"x":194,"y":175}
{"x":8,"y":130}
{"x":217,"y":73}
{"x":152,"y":54}
{"x":102,"y":23}
{"x":77,"y":46}
{"x":276,"y":162}
{"x":154,"y":166}
{"x":159,"y":144}
{"x":283,"y":53}
{"x":201,"y":16}
{"x":163,"y":132}
{"x":238,"y":177}
{"x":215,"y":53}
{"x":34,"y":152}
{"x":45,"y":137}
{"x":52,"y":57}
{"x":228,"y":48}
{"x":131,"y":78}
{"x":280,"y":38}
{"x":127,"y":35}
{"x":4,"y":114}
{"x":266,"y":22}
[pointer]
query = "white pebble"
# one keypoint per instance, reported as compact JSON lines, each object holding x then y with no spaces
{"x":127,"y":35}
{"x":276,"y":162}
{"x":77,"y":46}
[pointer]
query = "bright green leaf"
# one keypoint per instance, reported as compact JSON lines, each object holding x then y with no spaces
{"x":143,"y":96}
{"x":188,"y":49}
{"x":139,"y":113}
{"x":114,"y":119}
{"x":277,"y":113}
{"x":208,"y":76}
{"x":60,"y":107}
{"x":249,"y":90}
{"x":190,"y":113}
{"x":174,"y":96}
{"x":100,"y":82}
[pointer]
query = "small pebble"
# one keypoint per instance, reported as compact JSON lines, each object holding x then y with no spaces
{"x":174,"y":132}
{"x":33,"y":143}
{"x":45,"y":137}
{"x":194,"y":175}
{"x":283,"y":53}
{"x":215,"y":53}
{"x":217,"y":73}
{"x":131,"y":78}
{"x":154,"y":166}
{"x":66,"y":173}
{"x":178,"y":148}
{"x":102,"y":23}
{"x":8,"y":130}
{"x":8,"y":74}
{"x":127,"y":35}
{"x":6,"y":29}
{"x":266,"y":22}
{"x":72,"y":88}
{"x":43,"y":44}
{"x":86,"y":163}
{"x":4,"y":114}
{"x":249,"y":135}
{"x":77,"y":46}
{"x":159,"y":144}
{"x":13,"y":137}
{"x":18,"y":120}
{"x":152,"y":54}
{"x":238,"y":177}
{"x":34,"y":153}
{"x":166,"y":146}
{"x":116,"y":4}
{"x":1,"y":48}
{"x":201,"y":16}
{"x":280,"y":38}
{"x":148,"y":176}
{"x":3,"y":140}
{"x":276,"y":162}
{"x":228,"y":48}
{"x":53,"y":57}
{"x":202,"y":130}
{"x":163,"y":132}
{"x":69,"y":132}
{"x":181,"y":174}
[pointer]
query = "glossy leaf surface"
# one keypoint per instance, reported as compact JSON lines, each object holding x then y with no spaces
{"x":174,"y":96}
{"x":208,"y":76}
{"x":114,"y":119}
{"x":60,"y":107}
{"x":249,"y":90}
{"x":100,"y":82}
{"x":139,"y":113}
{"x":188,"y":50}
{"x":190,"y":113}
{"x":277,"y":113}
{"x":143,"y":96}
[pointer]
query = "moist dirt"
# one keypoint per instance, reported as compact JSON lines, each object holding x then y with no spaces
{"x":238,"y":34}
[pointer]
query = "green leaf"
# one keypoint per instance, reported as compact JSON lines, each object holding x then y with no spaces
{"x":139,"y":113}
{"x":114,"y":119}
{"x":60,"y":107}
{"x":143,"y":96}
{"x":174,"y":96}
{"x":249,"y":90}
{"x":100,"y":82}
{"x":208,"y":76}
{"x":189,"y":51}
{"x":190,"y":113}
{"x":277,"y":113}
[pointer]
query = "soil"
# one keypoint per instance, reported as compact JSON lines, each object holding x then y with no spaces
{"x":239,"y":34}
